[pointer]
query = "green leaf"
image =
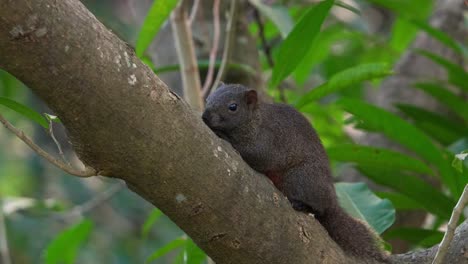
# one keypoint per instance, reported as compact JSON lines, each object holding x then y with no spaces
{"x":446,"y":97}
{"x":194,"y":254}
{"x":439,"y":35}
{"x":348,"y":7}
{"x":191,"y":254}
{"x":278,"y":14}
{"x":377,"y":157}
{"x":414,"y":8}
{"x":392,"y":126}
{"x":25,"y":111}
{"x":438,"y":127}
{"x":400,"y":201}
{"x":416,"y":236}
{"x":64,"y":248}
{"x":458,"y":160}
{"x":52,"y":118}
{"x":361,"y":203}
{"x":299,"y":41}
{"x":345,"y":79}
{"x":174,"y":244}
{"x":158,"y":13}
{"x":413,"y":187}
{"x":150,"y":220}
{"x":402,"y":35}
{"x":321,"y":49}
{"x":457,"y":75}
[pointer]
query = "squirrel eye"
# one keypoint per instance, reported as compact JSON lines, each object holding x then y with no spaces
{"x":232,"y":107}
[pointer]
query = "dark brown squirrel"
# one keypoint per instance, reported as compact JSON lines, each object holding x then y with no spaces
{"x":278,"y":141}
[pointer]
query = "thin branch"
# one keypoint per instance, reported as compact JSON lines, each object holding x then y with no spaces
{"x":452,"y":225}
{"x":266,"y":47}
{"x":51,"y":133}
{"x":214,"y":47}
{"x":87,"y":172}
{"x":261,"y":33}
{"x":186,"y":55}
{"x":228,"y":43}
{"x":79,"y":210}
{"x":4,"y":251}
{"x":193,"y":13}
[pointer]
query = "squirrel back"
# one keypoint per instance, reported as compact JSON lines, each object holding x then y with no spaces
{"x":278,"y":141}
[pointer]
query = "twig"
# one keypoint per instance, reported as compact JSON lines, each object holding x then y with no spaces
{"x":267,"y":50}
{"x":186,"y":55}
{"x":457,"y":211}
{"x":214,"y":47}
{"x":87,"y":172}
{"x":79,"y":210}
{"x":228,"y":43}
{"x":261,"y":33}
{"x":4,"y":251}
{"x":51,"y":133}
{"x":193,"y":13}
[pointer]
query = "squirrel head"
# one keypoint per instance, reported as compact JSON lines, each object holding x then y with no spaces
{"x":231,"y":106}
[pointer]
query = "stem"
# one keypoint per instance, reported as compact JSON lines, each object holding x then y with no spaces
{"x":452,"y":225}
{"x":214,"y":48}
{"x":230,"y":34}
{"x":4,"y":251}
{"x":186,"y":55}
{"x":88,"y":172}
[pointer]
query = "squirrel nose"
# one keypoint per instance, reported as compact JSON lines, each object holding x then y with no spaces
{"x":205,"y":118}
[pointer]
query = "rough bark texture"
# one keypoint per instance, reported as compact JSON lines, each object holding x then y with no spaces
{"x":124,"y":122}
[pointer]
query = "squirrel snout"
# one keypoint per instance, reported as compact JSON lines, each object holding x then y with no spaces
{"x":206,"y":118}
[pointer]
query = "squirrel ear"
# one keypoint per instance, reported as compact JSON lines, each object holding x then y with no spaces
{"x":251,"y":97}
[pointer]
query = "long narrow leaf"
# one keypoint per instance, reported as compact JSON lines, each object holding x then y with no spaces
{"x":457,"y":75}
{"x":438,"y":127}
{"x":174,"y":244}
{"x":439,"y":35}
{"x":345,"y":79}
{"x":377,"y":157}
{"x":348,"y":7}
{"x":412,"y":187}
{"x":150,"y":220}
{"x":299,"y":41}
{"x":401,"y":131}
{"x":158,"y":13}
{"x":417,"y":236}
{"x":278,"y":14}
{"x":194,"y":254}
{"x":446,"y":97}
{"x":64,"y":248}
{"x":400,"y":201}
{"x":25,"y":111}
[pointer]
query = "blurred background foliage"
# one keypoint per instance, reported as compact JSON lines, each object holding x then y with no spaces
{"x":326,"y":61}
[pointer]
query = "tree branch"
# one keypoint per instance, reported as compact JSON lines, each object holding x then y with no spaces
{"x":452,"y":224}
{"x":187,"y":58}
{"x":88,"y":172}
{"x":228,"y":43}
{"x":4,"y":251}
{"x":214,"y":48}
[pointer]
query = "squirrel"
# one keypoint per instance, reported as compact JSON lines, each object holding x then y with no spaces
{"x":278,"y":141}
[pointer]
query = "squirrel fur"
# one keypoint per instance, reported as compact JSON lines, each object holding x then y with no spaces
{"x":278,"y":141}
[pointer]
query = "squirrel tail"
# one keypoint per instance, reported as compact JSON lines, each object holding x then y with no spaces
{"x":352,"y":235}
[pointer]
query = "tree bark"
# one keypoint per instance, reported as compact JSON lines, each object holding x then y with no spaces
{"x":124,"y":122}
